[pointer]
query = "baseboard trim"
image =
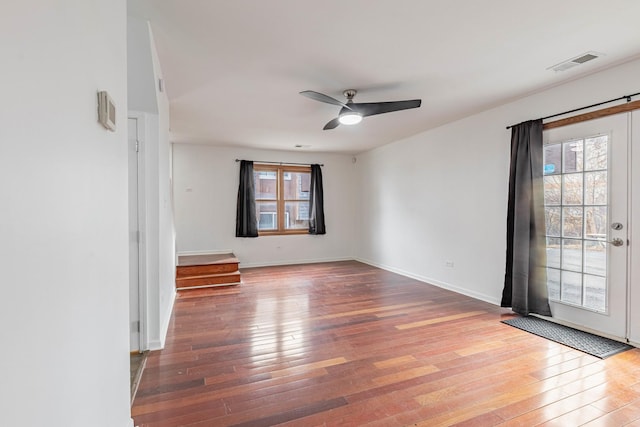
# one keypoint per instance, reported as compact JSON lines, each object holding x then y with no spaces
{"x":292,"y":262}
{"x":434,"y":282}
{"x":156,"y":345}
{"x":165,"y":326}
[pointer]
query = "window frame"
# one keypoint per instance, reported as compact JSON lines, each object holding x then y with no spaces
{"x":280,"y":200}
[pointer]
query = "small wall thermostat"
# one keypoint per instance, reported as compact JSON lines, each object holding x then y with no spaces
{"x":106,"y":111}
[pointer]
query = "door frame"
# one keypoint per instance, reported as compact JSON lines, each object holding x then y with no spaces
{"x":627,"y":209}
{"x":141,"y":207}
{"x":634,"y":229}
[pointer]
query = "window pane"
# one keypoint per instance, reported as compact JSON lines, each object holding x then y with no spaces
{"x":595,"y":222}
{"x":572,"y":189}
{"x":595,"y":292}
{"x":596,"y":153}
{"x":553,"y":283}
{"x":595,"y":258}
{"x":552,"y":190}
{"x":267,"y":216}
{"x":572,"y":156}
{"x":552,"y":220}
{"x":296,"y":185}
{"x":553,"y":252}
{"x":572,"y":254}
{"x":296,"y":215}
{"x":576,"y":216}
{"x":266,"y":184}
{"x":572,"y":222}
{"x":571,"y":287}
{"x":595,"y":192}
{"x":552,"y":157}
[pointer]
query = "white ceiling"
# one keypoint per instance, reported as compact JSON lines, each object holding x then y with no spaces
{"x":233,"y":69}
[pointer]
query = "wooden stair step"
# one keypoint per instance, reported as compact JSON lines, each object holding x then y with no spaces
{"x":208,"y":280}
{"x":206,"y":259}
{"x":206,"y":269}
{"x":196,"y":271}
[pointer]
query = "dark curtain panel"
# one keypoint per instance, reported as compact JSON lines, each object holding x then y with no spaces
{"x":525,"y":282}
{"x":316,"y":202}
{"x":246,"y":220}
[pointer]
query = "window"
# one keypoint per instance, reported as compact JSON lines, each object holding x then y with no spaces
{"x":282,"y":198}
{"x":576,"y":211}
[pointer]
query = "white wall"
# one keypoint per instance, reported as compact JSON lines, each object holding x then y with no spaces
{"x":421,"y":209}
{"x":140,"y":67}
{"x":158,"y":275}
{"x":442,"y":195}
{"x":166,"y":232}
{"x":63,"y":220}
{"x":205,"y":193}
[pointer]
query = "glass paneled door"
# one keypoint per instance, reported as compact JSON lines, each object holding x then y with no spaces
{"x":585,"y":185}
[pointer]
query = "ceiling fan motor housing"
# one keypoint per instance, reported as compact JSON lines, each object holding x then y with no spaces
{"x":349,"y":94}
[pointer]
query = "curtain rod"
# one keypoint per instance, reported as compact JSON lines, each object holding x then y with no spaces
{"x":281,"y":163}
{"x":627,"y":97}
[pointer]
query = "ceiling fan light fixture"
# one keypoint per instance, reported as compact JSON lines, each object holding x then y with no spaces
{"x":352,"y":113}
{"x":350,"y":118}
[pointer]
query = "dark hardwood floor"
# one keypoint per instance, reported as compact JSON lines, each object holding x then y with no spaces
{"x":346,"y":344}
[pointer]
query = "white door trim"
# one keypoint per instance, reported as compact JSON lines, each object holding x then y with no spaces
{"x":142,"y":267}
{"x":615,"y":322}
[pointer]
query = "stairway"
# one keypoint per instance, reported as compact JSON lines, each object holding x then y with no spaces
{"x":199,"y":271}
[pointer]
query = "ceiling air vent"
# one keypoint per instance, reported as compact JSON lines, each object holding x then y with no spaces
{"x":574,"y":62}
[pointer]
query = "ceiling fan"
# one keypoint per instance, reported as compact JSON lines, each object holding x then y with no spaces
{"x":352,"y":113}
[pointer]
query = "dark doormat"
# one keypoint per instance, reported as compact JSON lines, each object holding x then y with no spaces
{"x":591,"y":344}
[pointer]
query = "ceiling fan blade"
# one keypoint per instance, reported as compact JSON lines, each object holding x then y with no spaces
{"x":317,"y":96}
{"x":373,"y":108}
{"x":332,"y":124}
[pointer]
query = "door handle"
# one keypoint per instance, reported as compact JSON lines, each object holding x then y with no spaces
{"x":617,"y":242}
